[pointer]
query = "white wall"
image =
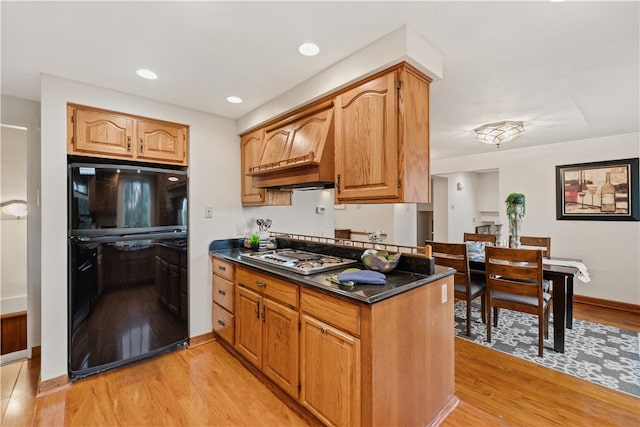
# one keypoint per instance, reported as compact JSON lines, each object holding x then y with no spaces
{"x":25,"y":113}
{"x":214,"y":162}
{"x":13,"y":231}
{"x":367,"y":218}
{"x":610,"y":249}
{"x":440,"y":203}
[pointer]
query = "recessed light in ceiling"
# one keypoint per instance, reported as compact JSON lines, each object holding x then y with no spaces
{"x":173,"y":178}
{"x":147,"y":74}
{"x":308,"y":49}
{"x":234,"y":99}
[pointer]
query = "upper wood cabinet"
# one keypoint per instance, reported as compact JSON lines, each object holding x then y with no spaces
{"x":250,"y":151}
{"x":382,"y":139}
{"x":251,"y":147}
{"x":108,"y":134}
{"x":298,"y":150}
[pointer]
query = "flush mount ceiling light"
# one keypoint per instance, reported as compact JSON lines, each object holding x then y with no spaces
{"x":234,"y":99}
{"x":497,"y":133}
{"x":147,"y":74}
{"x":309,"y":49}
{"x":17,"y":208}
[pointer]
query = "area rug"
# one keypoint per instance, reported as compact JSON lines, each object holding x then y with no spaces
{"x":601,"y":354}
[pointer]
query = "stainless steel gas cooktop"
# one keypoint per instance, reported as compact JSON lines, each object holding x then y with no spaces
{"x":300,"y":262}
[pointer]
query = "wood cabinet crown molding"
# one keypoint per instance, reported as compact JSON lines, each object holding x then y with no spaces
{"x":95,"y":132}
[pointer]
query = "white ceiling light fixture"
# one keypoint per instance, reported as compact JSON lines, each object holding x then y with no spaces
{"x":17,"y":208}
{"x":234,"y":99}
{"x":500,"y":132}
{"x":308,"y":49}
{"x":146,"y":74}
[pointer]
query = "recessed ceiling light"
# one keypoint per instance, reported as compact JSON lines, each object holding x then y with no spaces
{"x":173,"y":178}
{"x":147,"y":74}
{"x":234,"y":99}
{"x":309,"y":49}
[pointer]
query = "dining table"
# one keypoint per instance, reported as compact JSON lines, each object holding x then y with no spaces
{"x":561,"y":273}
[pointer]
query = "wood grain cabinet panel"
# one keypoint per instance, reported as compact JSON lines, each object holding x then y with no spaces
{"x":330,"y":373}
{"x":223,"y":293}
{"x":161,"y":142}
{"x":94,"y":132}
{"x":249,"y":325}
{"x":251,"y":146}
{"x":382,"y":139}
{"x":224,"y":300}
{"x":101,"y":133}
{"x":266,"y":329}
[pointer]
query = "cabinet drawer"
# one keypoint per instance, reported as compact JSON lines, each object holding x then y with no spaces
{"x":223,"y":323}
{"x":339,"y":313}
{"x":268,"y":286}
{"x":223,"y":292}
{"x":223,"y":268}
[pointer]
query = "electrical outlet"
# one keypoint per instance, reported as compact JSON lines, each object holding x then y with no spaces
{"x":239,"y":229}
{"x":443,"y":291}
{"x":208,"y":212}
{"x":320,"y":210}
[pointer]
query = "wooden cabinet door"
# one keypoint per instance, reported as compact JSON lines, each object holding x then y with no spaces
{"x":329,"y":373}
{"x":276,"y":145}
{"x":366,"y":145}
{"x":309,"y":134}
{"x":250,"y":152}
{"x":249,"y":325}
{"x":161,"y":142}
{"x":101,"y":133}
{"x":280,"y":352}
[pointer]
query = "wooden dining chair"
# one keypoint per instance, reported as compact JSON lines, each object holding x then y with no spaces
{"x":530,"y":242}
{"x":514,"y":282}
{"x":479,"y":237}
{"x":454,"y":255}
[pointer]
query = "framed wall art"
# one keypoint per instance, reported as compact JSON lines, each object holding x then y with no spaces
{"x":598,"y":191}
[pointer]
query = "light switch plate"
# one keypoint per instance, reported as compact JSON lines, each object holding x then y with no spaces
{"x":443,"y":291}
{"x":208,"y":212}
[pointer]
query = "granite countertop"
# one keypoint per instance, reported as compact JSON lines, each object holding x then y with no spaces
{"x":397,"y":281}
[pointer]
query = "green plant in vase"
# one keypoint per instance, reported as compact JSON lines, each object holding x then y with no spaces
{"x":515,"y":203}
{"x":254,"y":241}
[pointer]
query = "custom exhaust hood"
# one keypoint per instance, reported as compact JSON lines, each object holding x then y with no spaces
{"x":298,"y":151}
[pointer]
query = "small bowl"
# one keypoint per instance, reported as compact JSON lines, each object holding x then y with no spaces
{"x":373,"y":260}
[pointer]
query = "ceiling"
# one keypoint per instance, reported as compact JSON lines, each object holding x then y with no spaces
{"x":569,"y":70}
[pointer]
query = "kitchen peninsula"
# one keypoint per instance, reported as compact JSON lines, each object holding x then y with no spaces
{"x":362,"y":355}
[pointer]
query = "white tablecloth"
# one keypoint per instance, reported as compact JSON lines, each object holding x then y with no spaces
{"x":583,"y":274}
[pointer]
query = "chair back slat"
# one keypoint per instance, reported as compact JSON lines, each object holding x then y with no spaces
{"x":531,"y":242}
{"x":515,"y":271}
{"x":453,"y":255}
{"x":479,"y":237}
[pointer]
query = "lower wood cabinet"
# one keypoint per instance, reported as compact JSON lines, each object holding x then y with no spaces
{"x":223,"y":308}
{"x":329,"y":373}
{"x":266,"y":328}
{"x":348,"y":363}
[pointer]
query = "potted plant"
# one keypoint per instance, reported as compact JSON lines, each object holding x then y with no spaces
{"x":254,"y":241}
{"x":515,"y":199}
{"x":515,"y":211}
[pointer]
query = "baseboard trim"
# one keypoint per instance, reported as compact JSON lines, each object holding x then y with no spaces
{"x":605,"y":303}
{"x":451,"y":405}
{"x":54,"y":385}
{"x":201,"y":339}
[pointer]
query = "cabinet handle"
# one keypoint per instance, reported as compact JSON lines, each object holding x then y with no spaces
{"x":261,"y":284}
{"x":221,"y":268}
{"x":221,"y":323}
{"x":257,"y":309}
{"x":221,"y":292}
{"x":141,"y":145}
{"x":338,"y":184}
{"x":128,"y":143}
{"x":323,"y":330}
{"x":264,"y":309}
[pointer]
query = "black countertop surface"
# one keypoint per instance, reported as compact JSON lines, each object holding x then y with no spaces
{"x":397,"y":281}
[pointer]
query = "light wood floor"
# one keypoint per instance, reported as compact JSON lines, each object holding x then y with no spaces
{"x":207,"y":386}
